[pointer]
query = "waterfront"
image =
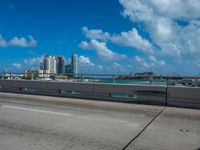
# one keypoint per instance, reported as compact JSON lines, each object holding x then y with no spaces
{"x":131,"y":81}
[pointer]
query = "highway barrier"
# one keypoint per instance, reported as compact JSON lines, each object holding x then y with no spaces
{"x":147,"y":94}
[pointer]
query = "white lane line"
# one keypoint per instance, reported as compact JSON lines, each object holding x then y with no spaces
{"x":35,"y":110}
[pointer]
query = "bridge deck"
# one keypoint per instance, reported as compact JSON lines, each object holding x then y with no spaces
{"x":51,"y":123}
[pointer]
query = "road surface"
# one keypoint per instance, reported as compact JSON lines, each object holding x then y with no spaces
{"x":30,"y":122}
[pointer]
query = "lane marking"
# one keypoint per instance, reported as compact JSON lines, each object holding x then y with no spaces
{"x":35,"y":110}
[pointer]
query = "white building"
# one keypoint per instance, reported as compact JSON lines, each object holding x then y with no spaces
{"x":50,"y":64}
{"x":37,"y":74}
{"x":74,"y":64}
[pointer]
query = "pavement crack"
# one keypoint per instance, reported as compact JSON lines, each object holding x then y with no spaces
{"x":145,"y":127}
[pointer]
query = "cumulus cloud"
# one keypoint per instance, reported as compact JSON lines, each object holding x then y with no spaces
{"x":84,"y":45}
{"x":18,"y":42}
{"x":150,"y":61}
{"x":102,"y":50}
{"x":33,"y":61}
{"x":140,"y":61}
{"x":126,"y":39}
{"x":85,"y":61}
{"x":85,"y":65}
{"x":134,"y":40}
{"x":17,"y":65}
{"x":96,"y":34}
{"x":145,"y":10}
{"x":173,"y":29}
{"x":162,"y":19}
{"x":23,"y":42}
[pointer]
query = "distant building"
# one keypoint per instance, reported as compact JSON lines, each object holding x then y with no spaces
{"x":68,"y":69}
{"x":50,"y":64}
{"x":74,"y":64}
{"x":60,"y":62}
{"x":36,"y":74}
{"x":144,"y":74}
{"x":42,"y":66}
{"x":56,"y":65}
{"x":33,"y":74}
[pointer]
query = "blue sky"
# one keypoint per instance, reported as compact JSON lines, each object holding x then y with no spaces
{"x":110,"y":36}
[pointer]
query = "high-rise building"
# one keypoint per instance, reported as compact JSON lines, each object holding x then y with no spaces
{"x":46,"y":62}
{"x":60,"y":62}
{"x":74,"y":64}
{"x":42,"y":66}
{"x":53,"y":65}
{"x":68,"y":69}
{"x":50,"y":64}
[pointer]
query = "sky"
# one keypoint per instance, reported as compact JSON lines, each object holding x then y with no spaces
{"x":109,"y":36}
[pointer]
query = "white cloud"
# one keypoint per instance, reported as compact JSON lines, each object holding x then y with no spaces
{"x":141,"y":62}
{"x":23,"y":42}
{"x":173,"y":29}
{"x":33,"y":61}
{"x":84,"y":45}
{"x":126,"y":39}
{"x":134,"y":40}
{"x":85,"y":61}
{"x":161,"y":18}
{"x":146,"y":10}
{"x":102,"y":50}
{"x":18,"y":42}
{"x":171,"y":50}
{"x":150,"y":61}
{"x":85,"y":65}
{"x":17,"y":65}
{"x":177,"y":9}
{"x":154,"y":60}
{"x":96,"y":34}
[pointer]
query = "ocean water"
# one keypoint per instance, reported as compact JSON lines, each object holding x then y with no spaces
{"x":128,"y":81}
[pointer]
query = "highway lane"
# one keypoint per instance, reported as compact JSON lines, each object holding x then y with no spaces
{"x":175,"y":128}
{"x":51,"y":123}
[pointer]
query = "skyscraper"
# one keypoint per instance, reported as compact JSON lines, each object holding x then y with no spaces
{"x":60,"y":62}
{"x":50,"y":64}
{"x":74,"y":64}
{"x":42,"y":65}
{"x":68,"y":69}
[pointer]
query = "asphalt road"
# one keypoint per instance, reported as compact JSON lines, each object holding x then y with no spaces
{"x":49,"y":123}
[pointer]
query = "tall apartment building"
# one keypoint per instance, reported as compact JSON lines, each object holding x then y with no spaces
{"x":60,"y":62}
{"x":56,"y":65}
{"x":50,"y":64}
{"x":74,"y":64}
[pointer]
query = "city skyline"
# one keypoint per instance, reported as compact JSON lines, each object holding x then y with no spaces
{"x":161,"y":37}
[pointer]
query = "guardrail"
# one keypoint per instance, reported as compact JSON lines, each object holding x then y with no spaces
{"x":148,"y":94}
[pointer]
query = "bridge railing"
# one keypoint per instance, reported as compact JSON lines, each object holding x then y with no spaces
{"x":147,"y":94}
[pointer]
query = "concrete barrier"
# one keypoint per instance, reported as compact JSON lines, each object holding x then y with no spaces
{"x":148,"y":94}
{"x":183,"y":97}
{"x":115,"y":92}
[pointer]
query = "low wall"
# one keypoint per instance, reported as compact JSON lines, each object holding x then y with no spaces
{"x":184,"y":96}
{"x":114,"y":92}
{"x":148,"y":94}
